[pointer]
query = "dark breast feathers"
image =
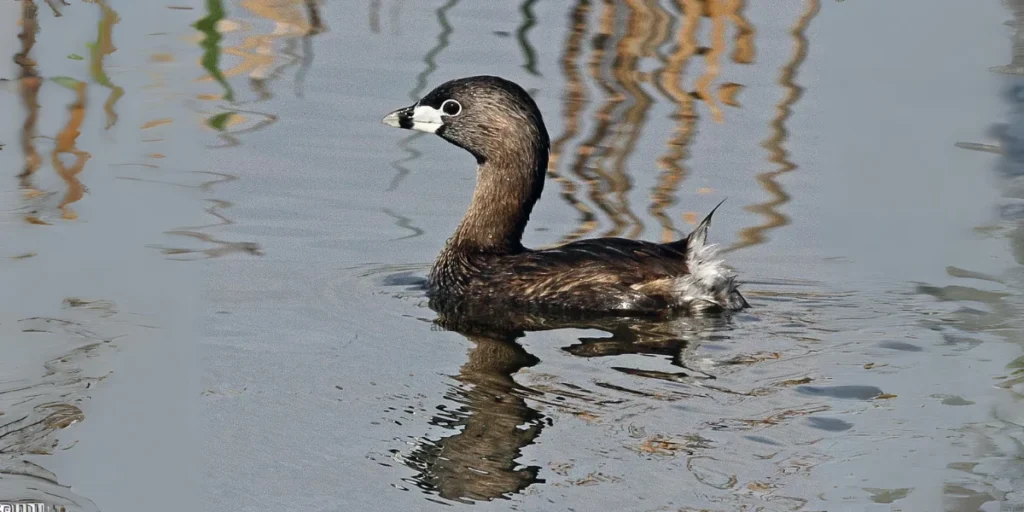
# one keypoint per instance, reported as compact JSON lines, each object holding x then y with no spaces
{"x":603,"y":275}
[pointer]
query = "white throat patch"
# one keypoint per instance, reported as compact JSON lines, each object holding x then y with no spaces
{"x":426,"y":119}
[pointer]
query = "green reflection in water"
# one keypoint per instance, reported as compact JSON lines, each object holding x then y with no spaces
{"x":66,"y":81}
{"x":430,"y":57}
{"x":211,"y":44}
{"x":220,"y":121}
{"x":430,"y":62}
{"x":529,"y":20}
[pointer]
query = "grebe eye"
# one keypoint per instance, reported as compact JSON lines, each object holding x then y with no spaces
{"x":451,"y":107}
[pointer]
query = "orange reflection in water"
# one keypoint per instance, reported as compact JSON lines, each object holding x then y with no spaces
{"x":668,"y":80}
{"x":631,"y":36}
{"x":28,"y":88}
{"x":779,"y":134}
{"x":66,"y":144}
{"x":104,"y":46}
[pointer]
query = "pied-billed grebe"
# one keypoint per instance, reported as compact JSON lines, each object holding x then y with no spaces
{"x":485,"y":262}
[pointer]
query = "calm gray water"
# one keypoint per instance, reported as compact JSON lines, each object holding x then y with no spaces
{"x":217,"y":252}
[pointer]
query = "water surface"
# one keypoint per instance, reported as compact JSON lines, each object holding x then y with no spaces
{"x":868,"y":159}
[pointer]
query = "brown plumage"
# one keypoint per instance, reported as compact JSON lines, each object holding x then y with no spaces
{"x":484,"y":261}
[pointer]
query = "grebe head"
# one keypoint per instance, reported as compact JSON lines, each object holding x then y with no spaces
{"x":488,"y":116}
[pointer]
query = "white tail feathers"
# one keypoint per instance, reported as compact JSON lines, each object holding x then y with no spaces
{"x":710,"y":285}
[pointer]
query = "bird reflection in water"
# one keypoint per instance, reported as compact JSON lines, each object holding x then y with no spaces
{"x":495,"y":421}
